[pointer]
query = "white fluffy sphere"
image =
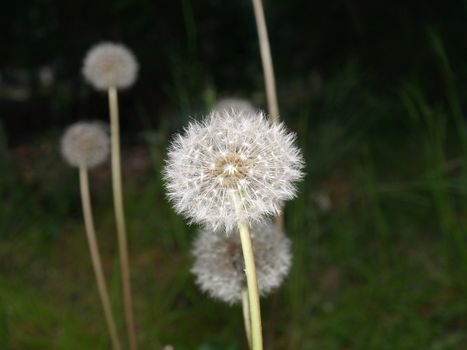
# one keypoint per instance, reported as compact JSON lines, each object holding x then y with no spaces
{"x":219,"y":265}
{"x":85,"y":144}
{"x":232,"y":152}
{"x":110,"y":65}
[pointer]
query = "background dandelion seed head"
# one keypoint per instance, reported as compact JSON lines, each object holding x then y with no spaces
{"x":85,"y":144}
{"x":110,"y":65}
{"x":219,"y":265}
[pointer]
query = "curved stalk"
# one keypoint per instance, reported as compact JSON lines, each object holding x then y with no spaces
{"x":120,"y":217}
{"x":95,"y":258}
{"x":251,"y":279}
{"x":246,"y":316}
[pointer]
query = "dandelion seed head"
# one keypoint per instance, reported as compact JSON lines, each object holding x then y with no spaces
{"x":234,"y":104}
{"x":219,"y":265}
{"x":110,"y":65}
{"x":228,"y":152}
{"x":85,"y":144}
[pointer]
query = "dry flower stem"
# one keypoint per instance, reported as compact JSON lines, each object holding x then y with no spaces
{"x":246,"y":316}
{"x":120,"y":217}
{"x":95,"y":258}
{"x":251,"y":279}
{"x":266,"y":58}
{"x":268,"y":70}
{"x":269,"y":81}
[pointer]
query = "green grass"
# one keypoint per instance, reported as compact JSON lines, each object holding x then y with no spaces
{"x":383,"y":268}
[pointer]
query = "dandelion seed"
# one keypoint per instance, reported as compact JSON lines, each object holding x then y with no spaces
{"x":85,"y":145}
{"x":232,"y":152}
{"x":109,"y":65}
{"x":219,"y":266}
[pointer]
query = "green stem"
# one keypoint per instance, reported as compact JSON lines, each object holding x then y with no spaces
{"x":95,"y":257}
{"x":246,"y":316}
{"x":120,"y":217}
{"x":251,"y":279}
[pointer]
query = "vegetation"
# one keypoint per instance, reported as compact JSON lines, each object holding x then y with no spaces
{"x":379,"y":228}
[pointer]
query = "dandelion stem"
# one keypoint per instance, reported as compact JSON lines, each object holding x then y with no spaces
{"x":269,"y":81}
{"x":250,"y":270}
{"x":268,"y":71}
{"x":95,"y":258}
{"x":266,"y":58}
{"x":120,"y":217}
{"x":246,"y":316}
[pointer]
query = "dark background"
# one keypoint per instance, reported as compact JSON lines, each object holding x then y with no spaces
{"x":187,"y":48}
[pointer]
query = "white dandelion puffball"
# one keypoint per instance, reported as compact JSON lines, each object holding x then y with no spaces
{"x":235,"y":104}
{"x":85,"y":144}
{"x":110,"y":65}
{"x":219,"y":265}
{"x":228,"y":154}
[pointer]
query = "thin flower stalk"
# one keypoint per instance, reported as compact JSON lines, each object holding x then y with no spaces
{"x":120,"y":216}
{"x":268,"y":71}
{"x":95,"y":258}
{"x":266,"y":59}
{"x":246,"y":316}
{"x":250,"y":271}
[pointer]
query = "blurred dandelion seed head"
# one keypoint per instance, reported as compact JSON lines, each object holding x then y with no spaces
{"x":234,"y":104}
{"x":110,"y":65}
{"x":232,"y":151}
{"x":85,"y":144}
{"x":219,"y":265}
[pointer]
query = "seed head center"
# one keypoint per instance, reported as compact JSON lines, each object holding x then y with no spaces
{"x":229,"y":170}
{"x":110,"y":64}
{"x":85,"y":143}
